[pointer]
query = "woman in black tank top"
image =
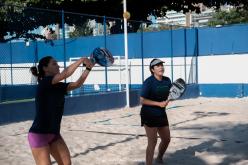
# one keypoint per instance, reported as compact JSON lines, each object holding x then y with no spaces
{"x":44,"y":135}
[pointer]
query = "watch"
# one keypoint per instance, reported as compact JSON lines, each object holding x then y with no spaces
{"x":87,"y":68}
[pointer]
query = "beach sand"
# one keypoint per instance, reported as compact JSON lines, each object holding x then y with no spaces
{"x":204,"y":131}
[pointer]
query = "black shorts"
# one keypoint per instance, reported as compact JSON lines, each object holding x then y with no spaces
{"x":154,"y":121}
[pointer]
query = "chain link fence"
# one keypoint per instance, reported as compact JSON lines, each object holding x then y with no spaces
{"x":68,"y":36}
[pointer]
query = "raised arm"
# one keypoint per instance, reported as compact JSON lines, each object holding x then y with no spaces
{"x":82,"y":78}
{"x":67,"y":72}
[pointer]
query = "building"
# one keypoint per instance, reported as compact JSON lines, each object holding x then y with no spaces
{"x":190,"y":19}
{"x":173,"y":18}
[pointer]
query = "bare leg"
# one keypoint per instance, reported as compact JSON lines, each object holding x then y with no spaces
{"x":41,"y":155}
{"x":60,"y":152}
{"x":164,"y":133}
{"x":151,"y":133}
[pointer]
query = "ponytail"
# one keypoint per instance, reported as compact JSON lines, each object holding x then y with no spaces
{"x":39,"y":72}
{"x":34,"y":71}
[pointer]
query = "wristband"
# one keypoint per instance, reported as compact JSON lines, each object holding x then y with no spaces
{"x":89,"y":69}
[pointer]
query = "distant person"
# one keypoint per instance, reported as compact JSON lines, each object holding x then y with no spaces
{"x":44,"y":135}
{"x":154,"y":94}
{"x":49,"y":34}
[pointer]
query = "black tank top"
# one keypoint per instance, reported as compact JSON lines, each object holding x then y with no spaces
{"x":49,"y":101}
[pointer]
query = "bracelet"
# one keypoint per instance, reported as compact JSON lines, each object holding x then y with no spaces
{"x":89,"y":69}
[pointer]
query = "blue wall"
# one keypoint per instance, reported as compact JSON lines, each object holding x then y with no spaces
{"x":8,"y":93}
{"x":192,"y":91}
{"x":20,"y":92}
{"x":223,"y":90}
{"x":16,"y":112}
{"x":226,"y":40}
{"x":15,"y":92}
{"x":177,"y":43}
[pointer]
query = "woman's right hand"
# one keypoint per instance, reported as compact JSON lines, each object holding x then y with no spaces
{"x":163,"y":104}
{"x":87,"y":63}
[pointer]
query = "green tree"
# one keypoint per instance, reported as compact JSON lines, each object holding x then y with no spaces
{"x":233,"y":16}
{"x":19,"y":20}
{"x":84,"y":30}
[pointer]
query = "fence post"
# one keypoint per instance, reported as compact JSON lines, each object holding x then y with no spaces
{"x":36,"y":53}
{"x":0,"y":92}
{"x":197,"y":54}
{"x":185,"y":54}
{"x":11,"y":63}
{"x":0,"y":87}
{"x":142,"y":52}
{"x":242,"y":94}
{"x":171,"y":52}
{"x":105,"y":45}
{"x":63,"y":32}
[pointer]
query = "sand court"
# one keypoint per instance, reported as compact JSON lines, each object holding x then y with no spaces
{"x":204,"y":131}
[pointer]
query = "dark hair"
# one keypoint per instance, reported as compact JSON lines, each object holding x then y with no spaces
{"x":153,"y":63}
{"x":151,"y":67}
{"x":39,"y":73}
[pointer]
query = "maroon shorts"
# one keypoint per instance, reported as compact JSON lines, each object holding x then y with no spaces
{"x":41,"y":140}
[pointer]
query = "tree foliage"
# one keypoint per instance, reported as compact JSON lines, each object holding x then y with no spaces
{"x":19,"y":17}
{"x":233,"y":16}
{"x":83,"y":30}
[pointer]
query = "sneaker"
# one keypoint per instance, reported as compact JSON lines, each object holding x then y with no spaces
{"x":159,"y":161}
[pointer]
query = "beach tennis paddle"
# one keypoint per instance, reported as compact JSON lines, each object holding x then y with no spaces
{"x":102,"y":56}
{"x":177,"y":89}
